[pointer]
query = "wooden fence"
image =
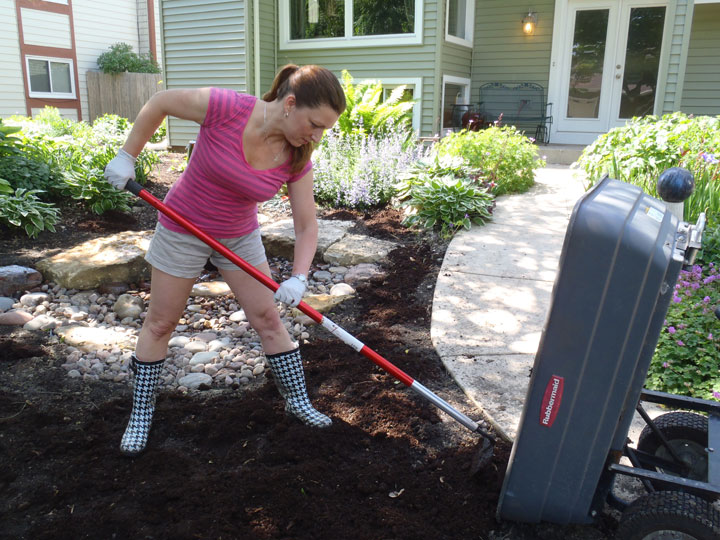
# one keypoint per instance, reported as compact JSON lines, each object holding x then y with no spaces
{"x":123,"y":94}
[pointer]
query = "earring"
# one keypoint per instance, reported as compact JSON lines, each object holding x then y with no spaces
{"x":286,"y":114}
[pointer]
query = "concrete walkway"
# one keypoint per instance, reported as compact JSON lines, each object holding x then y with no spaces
{"x":493,"y":293}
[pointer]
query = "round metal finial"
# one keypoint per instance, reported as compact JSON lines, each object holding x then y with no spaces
{"x":675,"y":184}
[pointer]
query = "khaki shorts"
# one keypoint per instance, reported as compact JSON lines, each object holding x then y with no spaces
{"x":184,"y":255}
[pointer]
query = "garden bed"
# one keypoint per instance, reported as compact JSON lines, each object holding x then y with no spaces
{"x":228,"y":463}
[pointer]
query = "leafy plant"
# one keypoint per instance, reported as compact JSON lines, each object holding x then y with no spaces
{"x":22,"y":171}
{"x":121,"y":58}
{"x":367,"y":112}
{"x":710,"y":252}
{"x":639,"y":151}
{"x":8,"y":143}
{"x":160,"y":133}
{"x":687,"y":358}
{"x":23,"y":209}
{"x":504,"y":156}
{"x":360,"y":170}
{"x":448,"y":202}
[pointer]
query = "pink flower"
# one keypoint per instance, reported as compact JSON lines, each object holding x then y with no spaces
{"x":710,"y":337}
{"x":680,"y":343}
{"x":671,"y":330}
{"x":706,"y":299}
{"x":716,"y":394}
{"x":665,"y":365}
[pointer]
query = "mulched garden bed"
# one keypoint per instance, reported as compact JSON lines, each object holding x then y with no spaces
{"x":226,"y":464}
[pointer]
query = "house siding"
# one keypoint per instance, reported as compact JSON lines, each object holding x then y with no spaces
{"x":397,"y":62}
{"x":12,"y":89}
{"x":46,"y":29}
{"x":702,"y":72}
{"x":204,"y":44}
{"x":680,"y":15}
{"x":268,"y":39}
{"x":92,"y":37}
{"x":502,"y":53}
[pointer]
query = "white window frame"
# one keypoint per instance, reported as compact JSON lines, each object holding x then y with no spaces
{"x":460,"y":81}
{"x":348,"y":41}
{"x":417,"y":86}
{"x":469,"y":24}
{"x":63,"y":2}
{"x":54,"y":95}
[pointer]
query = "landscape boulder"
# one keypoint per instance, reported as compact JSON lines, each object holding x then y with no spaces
{"x":354,"y":249}
{"x":128,"y":305}
{"x":279,"y":236}
{"x":115,"y":258}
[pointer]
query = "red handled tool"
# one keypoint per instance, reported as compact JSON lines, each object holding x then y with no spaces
{"x":486,"y":450}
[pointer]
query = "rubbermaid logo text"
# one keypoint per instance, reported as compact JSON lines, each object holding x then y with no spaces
{"x":551,"y":401}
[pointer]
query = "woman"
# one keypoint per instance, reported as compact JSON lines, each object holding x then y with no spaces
{"x":246,"y":150}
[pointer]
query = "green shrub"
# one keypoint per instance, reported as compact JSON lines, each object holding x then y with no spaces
{"x":24,"y":210}
{"x":160,"y":133}
{"x":445,"y":193}
{"x":360,"y":170}
{"x":687,"y":358}
{"x":367,"y":112}
{"x":121,"y":58}
{"x":22,"y":171}
{"x":710,"y":252}
{"x":8,"y":143}
{"x":639,"y":151}
{"x":504,"y":156}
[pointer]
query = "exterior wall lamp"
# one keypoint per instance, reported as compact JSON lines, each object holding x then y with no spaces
{"x":529,"y":23}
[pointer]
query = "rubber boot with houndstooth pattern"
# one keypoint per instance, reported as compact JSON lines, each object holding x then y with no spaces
{"x":290,"y":379}
{"x":136,"y":434}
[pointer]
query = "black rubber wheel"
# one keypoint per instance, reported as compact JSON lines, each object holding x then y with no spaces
{"x":666,"y":515}
{"x":687,"y":433}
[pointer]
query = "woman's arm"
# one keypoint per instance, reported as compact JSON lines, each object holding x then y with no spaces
{"x":188,"y":104}
{"x":302,"y":202}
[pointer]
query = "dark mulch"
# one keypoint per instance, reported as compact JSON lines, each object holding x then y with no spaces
{"x":228,"y":464}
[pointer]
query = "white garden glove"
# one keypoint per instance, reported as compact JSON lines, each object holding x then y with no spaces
{"x":291,"y":290}
{"x":120,"y":170}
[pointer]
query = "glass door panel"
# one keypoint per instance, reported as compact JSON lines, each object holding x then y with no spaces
{"x":642,"y":61}
{"x":586,"y":64}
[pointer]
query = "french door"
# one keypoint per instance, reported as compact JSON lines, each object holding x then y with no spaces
{"x":609,"y":64}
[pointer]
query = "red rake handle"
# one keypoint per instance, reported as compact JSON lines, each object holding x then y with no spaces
{"x":315,"y":315}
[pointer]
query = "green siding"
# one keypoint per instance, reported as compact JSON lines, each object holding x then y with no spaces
{"x":415,"y":61}
{"x":502,"y":52}
{"x":268,"y":40}
{"x":702,"y":72}
{"x":679,"y":15}
{"x":205,"y":44}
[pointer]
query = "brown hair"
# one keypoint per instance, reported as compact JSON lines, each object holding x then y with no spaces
{"x":313,"y":86}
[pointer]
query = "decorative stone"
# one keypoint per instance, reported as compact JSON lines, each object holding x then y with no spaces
{"x":16,"y":278}
{"x":203,"y":358}
{"x":196,"y":346}
{"x":178,"y":341}
{"x":41,"y":322}
{"x":128,"y":305}
{"x":206,"y":336}
{"x":15,"y":318}
{"x":90,"y":339}
{"x":194,"y":381}
{"x":238,"y":316}
{"x":322,"y":275}
{"x":33,"y":299}
{"x":354,"y":249}
{"x":279,"y":236}
{"x":211,"y":288}
{"x":362,"y":272}
{"x":6,"y":303}
{"x":118,"y":257}
{"x":321,"y":302}
{"x":341,"y":289}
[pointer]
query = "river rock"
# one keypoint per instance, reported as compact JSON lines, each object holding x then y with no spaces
{"x":128,"y":305}
{"x":6,"y":303}
{"x":178,"y":341}
{"x":321,"y":302}
{"x":15,"y":318}
{"x":195,"y":380}
{"x":341,"y":289}
{"x":42,"y":322}
{"x":354,"y":249}
{"x":203,"y":358}
{"x":91,"y":339}
{"x":211,"y":288}
{"x":119,"y":257}
{"x":196,"y":346}
{"x":16,"y":278}
{"x":33,"y":299}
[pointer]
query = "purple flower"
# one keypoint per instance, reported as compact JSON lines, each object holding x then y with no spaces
{"x":680,"y":343}
{"x":665,"y":365}
{"x":710,"y":337}
{"x":706,"y":299}
{"x":710,"y":158}
{"x":676,"y":299}
{"x":671,"y":330}
{"x":716,"y":394}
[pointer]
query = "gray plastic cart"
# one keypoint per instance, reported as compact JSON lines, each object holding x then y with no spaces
{"x":622,"y":254}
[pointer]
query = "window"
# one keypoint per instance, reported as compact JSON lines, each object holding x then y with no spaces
{"x":50,"y":77}
{"x":460,"y":20}
{"x":413,"y":90}
{"x":315,"y":24}
{"x":456,"y":91}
